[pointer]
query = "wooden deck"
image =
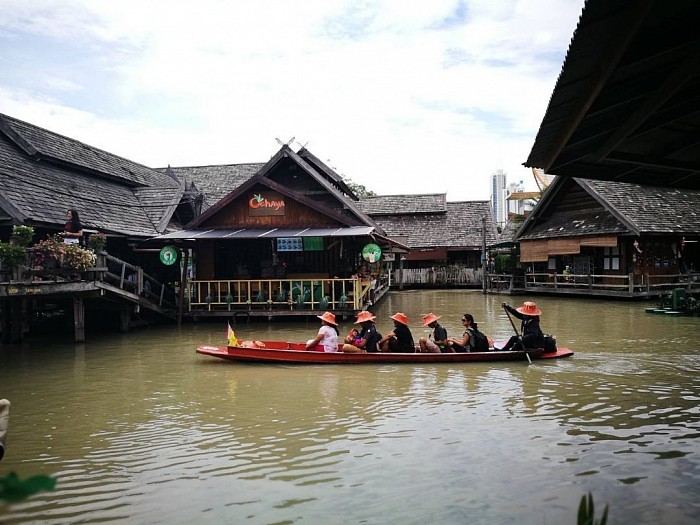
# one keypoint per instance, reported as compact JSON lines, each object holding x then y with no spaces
{"x":107,"y":286}
{"x":614,"y":286}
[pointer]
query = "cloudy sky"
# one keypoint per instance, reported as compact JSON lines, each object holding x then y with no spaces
{"x":399,"y":95}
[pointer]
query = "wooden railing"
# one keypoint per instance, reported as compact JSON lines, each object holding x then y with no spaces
{"x":438,"y":276}
{"x":131,"y":278}
{"x":277,"y":294}
{"x":627,"y":283}
{"x":108,"y":268}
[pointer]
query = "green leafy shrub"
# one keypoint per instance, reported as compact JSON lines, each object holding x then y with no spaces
{"x":97,"y":242}
{"x":503,"y":263}
{"x":12,"y":255}
{"x":22,"y":235}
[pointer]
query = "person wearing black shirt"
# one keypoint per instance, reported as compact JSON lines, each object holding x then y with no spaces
{"x":400,"y":338}
{"x":73,"y":230}
{"x":532,"y":334}
{"x":436,"y":342}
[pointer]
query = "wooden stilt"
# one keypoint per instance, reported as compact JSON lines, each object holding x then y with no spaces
{"x":79,"y":319}
{"x":16,"y":320}
{"x":5,"y":321}
{"x":124,"y":319}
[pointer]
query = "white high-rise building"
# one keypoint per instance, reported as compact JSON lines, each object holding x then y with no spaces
{"x":499,"y":193}
{"x":516,"y":206}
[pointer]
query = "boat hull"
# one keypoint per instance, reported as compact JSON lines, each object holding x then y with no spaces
{"x":284,"y":352}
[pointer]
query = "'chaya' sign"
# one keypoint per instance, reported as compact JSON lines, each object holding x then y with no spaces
{"x":266,"y":204}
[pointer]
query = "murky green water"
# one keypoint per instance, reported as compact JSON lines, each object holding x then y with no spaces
{"x":140,"y":429}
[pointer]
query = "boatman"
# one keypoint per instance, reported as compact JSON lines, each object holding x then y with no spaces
{"x":532,"y":335}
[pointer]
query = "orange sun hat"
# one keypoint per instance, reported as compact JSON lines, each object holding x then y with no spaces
{"x":529,"y":308}
{"x":328,"y":317}
{"x":400,"y":317}
{"x":365,"y":316}
{"x":430,"y":318}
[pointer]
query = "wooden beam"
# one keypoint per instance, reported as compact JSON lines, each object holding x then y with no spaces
{"x":675,"y":81}
{"x":628,"y":23}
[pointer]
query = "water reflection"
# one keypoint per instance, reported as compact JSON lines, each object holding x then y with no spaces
{"x":140,"y":429}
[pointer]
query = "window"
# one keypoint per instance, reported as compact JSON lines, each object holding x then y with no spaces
{"x":611,"y":258}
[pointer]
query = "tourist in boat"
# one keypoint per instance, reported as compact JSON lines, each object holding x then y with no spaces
{"x":436,"y":342}
{"x":368,"y":337}
{"x":73,"y":230}
{"x":463,"y":344}
{"x":532,"y":335}
{"x":327,"y":338}
{"x":400,"y":339}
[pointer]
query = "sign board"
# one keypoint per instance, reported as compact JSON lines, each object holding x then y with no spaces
{"x":290,"y":244}
{"x":372,"y":253}
{"x":265,"y":204}
{"x":168,"y":255}
{"x":313,"y":244}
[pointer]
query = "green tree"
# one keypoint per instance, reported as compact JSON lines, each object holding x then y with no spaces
{"x":360,"y":190}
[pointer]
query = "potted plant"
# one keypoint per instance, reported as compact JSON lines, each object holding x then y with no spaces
{"x":22,"y":235}
{"x":52,"y":252}
{"x":97,"y":242}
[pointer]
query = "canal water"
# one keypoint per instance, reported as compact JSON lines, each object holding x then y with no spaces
{"x":137,"y":428}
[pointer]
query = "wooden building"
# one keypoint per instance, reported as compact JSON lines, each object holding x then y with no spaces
{"x":42,"y":175}
{"x":446,"y":239}
{"x":283,"y":238}
{"x":620,"y":132}
{"x":614,"y":236}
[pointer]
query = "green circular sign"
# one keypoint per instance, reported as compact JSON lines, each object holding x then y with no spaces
{"x":168,"y":255}
{"x":372,"y":253}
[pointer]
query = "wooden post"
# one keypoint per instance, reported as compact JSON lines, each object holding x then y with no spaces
{"x":124,"y":318}
{"x":630,"y":276}
{"x":483,"y":254}
{"x":121,"y":279}
{"x":400,"y":272}
{"x":5,"y":321}
{"x":183,"y":283}
{"x":139,"y":281}
{"x":79,"y":319}
{"x":16,"y":310}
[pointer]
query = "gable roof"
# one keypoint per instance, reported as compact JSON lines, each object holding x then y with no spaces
{"x":378,"y":205}
{"x":329,"y":172}
{"x":612,"y":208}
{"x":625,"y":106}
{"x":342,"y":209}
{"x":215,"y":181}
{"x":458,"y":225}
{"x":43,"y":174}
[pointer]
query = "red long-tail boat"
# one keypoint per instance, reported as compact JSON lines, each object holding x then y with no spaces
{"x":295,"y":352}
